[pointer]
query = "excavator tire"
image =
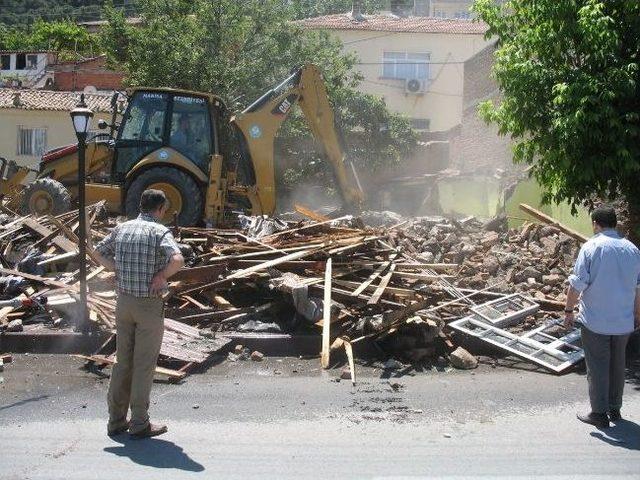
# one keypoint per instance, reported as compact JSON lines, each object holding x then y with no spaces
{"x":46,"y":196}
{"x":182,"y":191}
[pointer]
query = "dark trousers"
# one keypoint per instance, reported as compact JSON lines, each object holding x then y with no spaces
{"x":605,"y":358}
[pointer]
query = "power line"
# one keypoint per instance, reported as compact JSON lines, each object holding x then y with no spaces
{"x":371,"y":38}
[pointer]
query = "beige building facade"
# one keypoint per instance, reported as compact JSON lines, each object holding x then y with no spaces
{"x":34,"y":121}
{"x":415,"y":63}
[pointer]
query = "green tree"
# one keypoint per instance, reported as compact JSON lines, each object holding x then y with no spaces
{"x":22,"y":13}
{"x":241,"y":49}
{"x":64,"y":37}
{"x":568,"y":71}
{"x":314,"y":8}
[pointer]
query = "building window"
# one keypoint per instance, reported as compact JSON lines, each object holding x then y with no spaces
{"x":440,"y":14}
{"x":21,"y":61}
{"x":32,"y":62}
{"x":421,"y":124}
{"x":32,"y":141}
{"x":5,"y":62}
{"x":465,"y":14}
{"x":403,"y":65}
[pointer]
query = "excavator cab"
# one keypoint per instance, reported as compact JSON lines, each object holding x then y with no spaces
{"x":155,"y":120}
{"x":166,"y":141}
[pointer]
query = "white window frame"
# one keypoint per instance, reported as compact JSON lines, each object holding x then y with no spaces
{"x":403,"y":58}
{"x":31,"y":141}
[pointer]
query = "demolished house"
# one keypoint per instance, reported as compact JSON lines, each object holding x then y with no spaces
{"x":413,"y":291}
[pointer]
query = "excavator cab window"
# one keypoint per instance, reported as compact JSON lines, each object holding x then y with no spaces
{"x":191,"y":129}
{"x":142,"y":130}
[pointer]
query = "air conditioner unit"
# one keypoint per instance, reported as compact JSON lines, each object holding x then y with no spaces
{"x":415,"y":86}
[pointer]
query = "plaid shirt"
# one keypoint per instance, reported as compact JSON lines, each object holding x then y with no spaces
{"x":140,"y":248}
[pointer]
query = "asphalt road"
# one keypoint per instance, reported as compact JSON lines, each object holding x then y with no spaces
{"x":286,"y":419}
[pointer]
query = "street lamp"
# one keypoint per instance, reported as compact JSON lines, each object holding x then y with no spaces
{"x":81,"y":116}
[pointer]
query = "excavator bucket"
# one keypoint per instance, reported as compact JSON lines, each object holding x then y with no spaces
{"x":11,"y":177}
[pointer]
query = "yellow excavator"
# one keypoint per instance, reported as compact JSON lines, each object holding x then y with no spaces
{"x":208,"y":162}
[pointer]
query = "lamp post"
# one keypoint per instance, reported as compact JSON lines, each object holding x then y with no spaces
{"x":81,"y":116}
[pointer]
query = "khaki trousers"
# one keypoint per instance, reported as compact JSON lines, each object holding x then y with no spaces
{"x":139,"y":330}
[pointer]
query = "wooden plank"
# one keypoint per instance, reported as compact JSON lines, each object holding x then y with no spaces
{"x":326,"y":318}
{"x":17,"y":224}
{"x":58,"y":258}
{"x":443,"y":267}
{"x":271,"y":263}
{"x":193,"y":301}
{"x":400,"y":292}
{"x":376,"y":273}
{"x":305,"y":227}
{"x":552,"y":221}
{"x":199,"y":274}
{"x":307,"y":212}
{"x":111,"y":361}
{"x":381,"y":287}
{"x":226,"y":258}
{"x":35,"y":278}
{"x":352,"y":368}
{"x":425,"y":277}
{"x":59,"y":241}
{"x":5,"y":311}
{"x":74,"y":238}
{"x":172,"y":325}
{"x":95,"y":272}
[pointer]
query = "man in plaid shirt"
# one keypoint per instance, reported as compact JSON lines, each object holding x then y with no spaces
{"x":144,"y":255}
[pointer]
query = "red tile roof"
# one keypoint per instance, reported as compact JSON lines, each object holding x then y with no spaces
{"x":391,"y":23}
{"x":49,"y":100}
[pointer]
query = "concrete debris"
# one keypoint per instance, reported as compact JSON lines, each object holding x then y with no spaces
{"x":15,"y":326}
{"x":462,"y":359}
{"x":257,"y":356}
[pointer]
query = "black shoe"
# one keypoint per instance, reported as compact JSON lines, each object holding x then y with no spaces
{"x":614,"y":415}
{"x":598,"y":420}
{"x":118,"y":431}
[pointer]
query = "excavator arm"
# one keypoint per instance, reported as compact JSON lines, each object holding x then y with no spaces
{"x":260,"y":122}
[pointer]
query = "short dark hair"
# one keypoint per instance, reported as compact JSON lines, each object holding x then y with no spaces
{"x":605,"y":216}
{"x":151,"y":200}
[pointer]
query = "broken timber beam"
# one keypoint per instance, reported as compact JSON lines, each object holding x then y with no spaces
{"x":537,"y":214}
{"x":199,"y":274}
{"x":326,"y":317}
{"x":59,"y":241}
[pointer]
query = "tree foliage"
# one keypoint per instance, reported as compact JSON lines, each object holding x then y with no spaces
{"x":314,"y":8}
{"x":64,"y":37}
{"x":570,"y":78}
{"x":22,"y":13}
{"x":239,"y":50}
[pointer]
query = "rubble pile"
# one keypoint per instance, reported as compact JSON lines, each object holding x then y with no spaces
{"x":534,"y":259}
{"x":395,"y":284}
